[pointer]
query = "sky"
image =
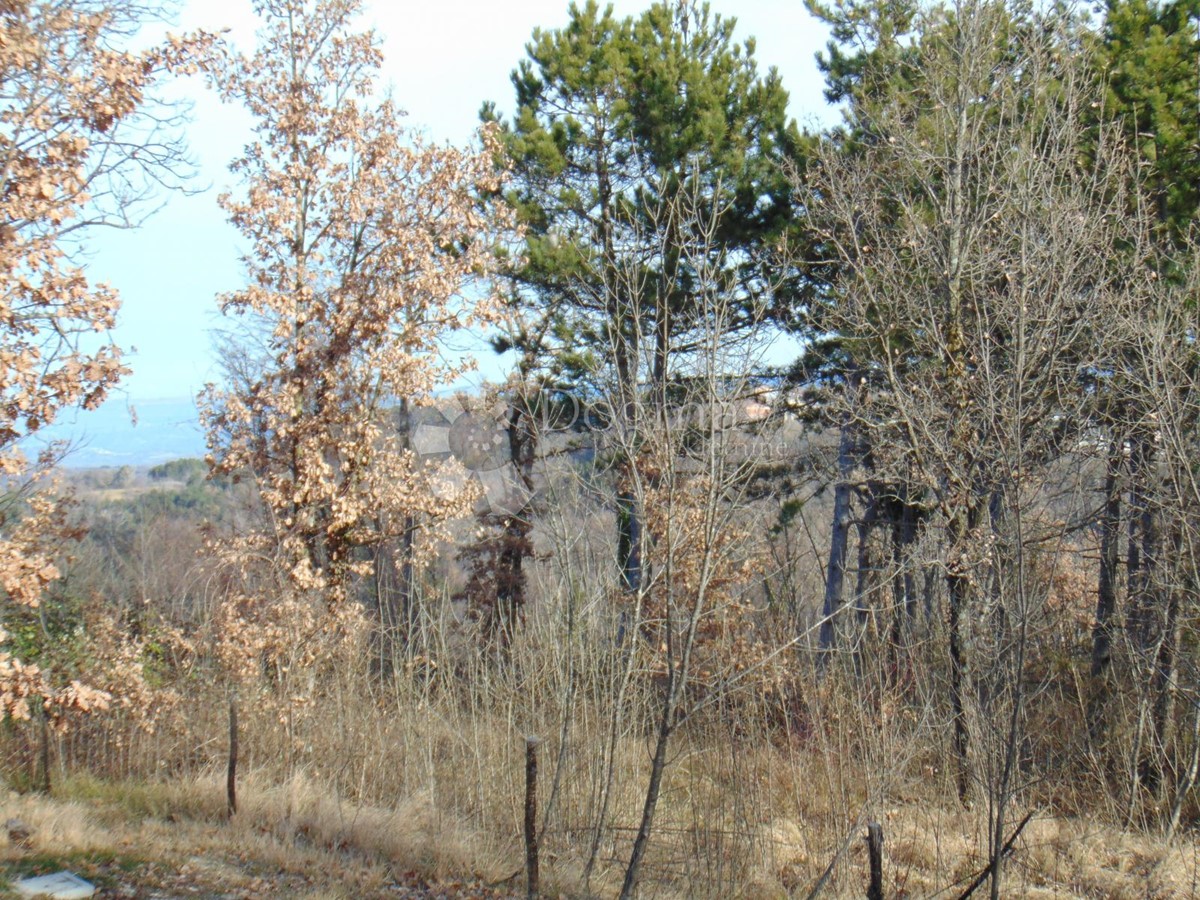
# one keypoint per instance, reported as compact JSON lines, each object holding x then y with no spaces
{"x":442,"y":60}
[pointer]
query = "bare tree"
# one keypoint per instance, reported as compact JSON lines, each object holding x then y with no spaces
{"x":976,"y":249}
{"x":692,"y":460}
{"x":1162,"y":379}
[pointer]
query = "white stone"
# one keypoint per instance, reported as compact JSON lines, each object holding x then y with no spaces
{"x":59,"y":886}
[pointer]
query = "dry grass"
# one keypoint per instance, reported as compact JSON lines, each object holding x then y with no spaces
{"x":298,"y":839}
{"x":125,"y":853}
{"x":286,"y":840}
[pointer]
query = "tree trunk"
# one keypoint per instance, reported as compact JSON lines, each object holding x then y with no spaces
{"x":629,"y":541}
{"x":1106,"y":594}
{"x":516,"y":525}
{"x":1110,"y":548}
{"x":864,"y":580}
{"x":403,"y":604}
{"x":1166,"y":681}
{"x":1141,"y":552}
{"x":904,"y":600}
{"x":623,"y":339}
{"x":385,"y":578}
{"x":835,"y":574}
{"x":1140,"y":621}
{"x":958,"y":589}
{"x":658,"y":765}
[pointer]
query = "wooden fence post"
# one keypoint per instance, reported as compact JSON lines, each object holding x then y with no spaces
{"x":531,"y":835}
{"x":231,"y":775}
{"x":875,"y":852}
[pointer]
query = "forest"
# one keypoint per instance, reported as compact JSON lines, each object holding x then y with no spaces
{"x":911,"y":610}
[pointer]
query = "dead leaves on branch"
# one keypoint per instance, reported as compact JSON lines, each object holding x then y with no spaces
{"x":366,"y":250}
{"x":64,"y":90}
{"x":703,"y":571}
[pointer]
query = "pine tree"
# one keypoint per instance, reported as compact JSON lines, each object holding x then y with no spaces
{"x":1148,"y":58}
{"x":615,"y":120}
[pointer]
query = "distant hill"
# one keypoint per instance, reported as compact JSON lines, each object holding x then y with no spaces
{"x":165,"y":430}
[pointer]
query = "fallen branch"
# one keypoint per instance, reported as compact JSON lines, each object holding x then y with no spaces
{"x":995,"y":860}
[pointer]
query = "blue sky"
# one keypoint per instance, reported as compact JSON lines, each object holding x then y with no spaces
{"x":442,"y":60}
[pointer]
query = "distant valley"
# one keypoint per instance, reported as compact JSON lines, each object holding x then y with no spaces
{"x":123,"y":432}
